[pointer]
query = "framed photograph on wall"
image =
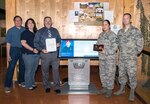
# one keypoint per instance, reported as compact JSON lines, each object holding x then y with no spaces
{"x":2,"y":32}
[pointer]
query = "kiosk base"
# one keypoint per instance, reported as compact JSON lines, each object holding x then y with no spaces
{"x":66,"y":90}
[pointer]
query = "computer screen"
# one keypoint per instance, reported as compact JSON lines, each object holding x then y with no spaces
{"x":77,"y":48}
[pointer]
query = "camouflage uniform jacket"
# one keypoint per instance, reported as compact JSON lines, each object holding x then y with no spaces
{"x":130,"y":43}
{"x":110,"y":46}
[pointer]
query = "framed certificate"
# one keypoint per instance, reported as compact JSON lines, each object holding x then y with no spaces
{"x":51,"y":45}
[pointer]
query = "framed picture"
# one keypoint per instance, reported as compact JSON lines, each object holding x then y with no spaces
{"x":2,"y":32}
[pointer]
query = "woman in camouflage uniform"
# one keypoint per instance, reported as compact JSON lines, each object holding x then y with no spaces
{"x":107,"y":58}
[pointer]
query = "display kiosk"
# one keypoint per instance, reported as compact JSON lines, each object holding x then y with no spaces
{"x":78,"y":53}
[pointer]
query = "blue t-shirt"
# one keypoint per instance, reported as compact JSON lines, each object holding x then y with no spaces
{"x":13,"y":36}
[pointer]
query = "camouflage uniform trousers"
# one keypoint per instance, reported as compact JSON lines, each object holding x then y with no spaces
{"x":107,"y":70}
{"x":128,"y":67}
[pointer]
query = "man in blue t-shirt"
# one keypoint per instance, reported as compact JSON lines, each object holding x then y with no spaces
{"x":13,"y":46}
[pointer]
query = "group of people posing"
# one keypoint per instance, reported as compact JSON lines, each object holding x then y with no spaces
{"x":27,"y":44}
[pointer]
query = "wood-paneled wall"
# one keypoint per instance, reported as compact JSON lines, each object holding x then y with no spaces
{"x":10,"y":12}
{"x":58,"y":10}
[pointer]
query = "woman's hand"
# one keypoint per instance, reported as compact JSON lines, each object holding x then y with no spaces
{"x":35,"y":50}
{"x":102,"y":51}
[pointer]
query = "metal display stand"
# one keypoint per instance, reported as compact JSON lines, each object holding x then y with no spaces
{"x":78,"y":78}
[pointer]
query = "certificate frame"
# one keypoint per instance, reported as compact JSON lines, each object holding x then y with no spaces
{"x":51,"y":45}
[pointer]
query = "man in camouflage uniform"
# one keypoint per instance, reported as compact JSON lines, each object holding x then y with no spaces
{"x":130,"y":42}
{"x":107,"y":57}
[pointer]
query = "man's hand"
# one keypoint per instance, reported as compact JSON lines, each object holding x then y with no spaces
{"x":8,"y":52}
{"x":58,"y":44}
{"x":44,"y":51}
{"x":8,"y":58}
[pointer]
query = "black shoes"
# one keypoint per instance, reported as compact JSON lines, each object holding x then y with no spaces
{"x":34,"y":86}
{"x":47,"y":90}
{"x":58,"y":91}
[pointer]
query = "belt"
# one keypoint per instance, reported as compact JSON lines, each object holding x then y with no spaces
{"x":16,"y":47}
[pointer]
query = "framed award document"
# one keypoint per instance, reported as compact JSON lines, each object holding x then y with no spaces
{"x":51,"y":45}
